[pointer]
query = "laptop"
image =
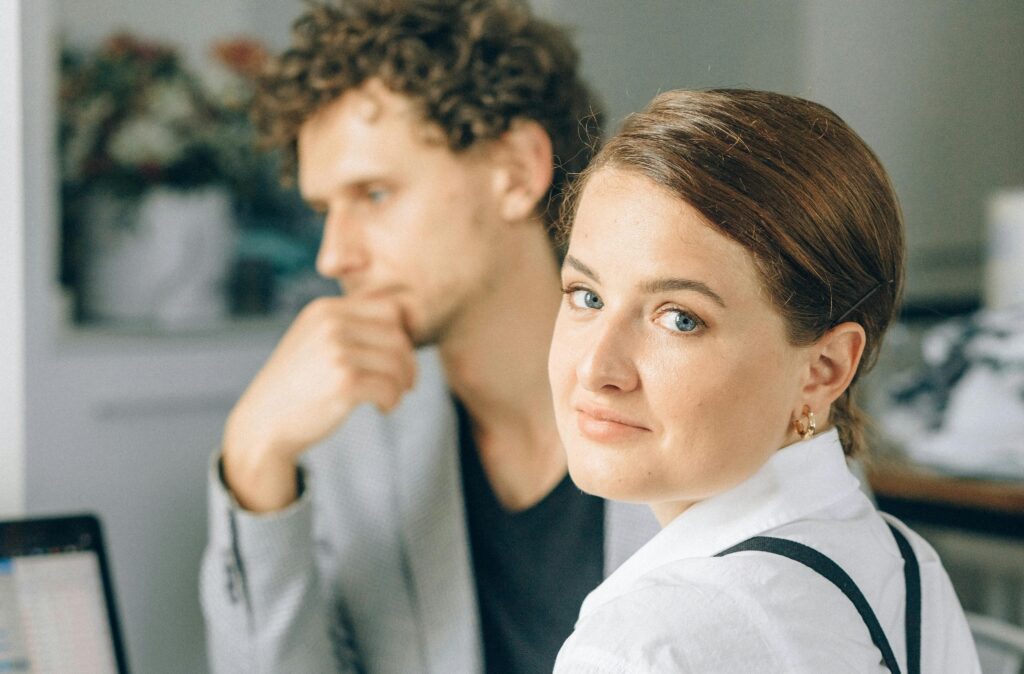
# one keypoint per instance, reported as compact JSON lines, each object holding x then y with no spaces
{"x":57,"y":609}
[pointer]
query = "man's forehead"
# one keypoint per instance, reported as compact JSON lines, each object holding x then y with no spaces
{"x":369,"y":104}
{"x":373,"y":99}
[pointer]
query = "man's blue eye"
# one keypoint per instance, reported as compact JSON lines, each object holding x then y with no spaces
{"x":586,"y":299}
{"x":377,"y":196}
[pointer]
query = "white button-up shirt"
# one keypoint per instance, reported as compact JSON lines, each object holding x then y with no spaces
{"x":674,"y":607}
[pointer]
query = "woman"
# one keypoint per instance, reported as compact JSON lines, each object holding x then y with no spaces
{"x":735,"y":258}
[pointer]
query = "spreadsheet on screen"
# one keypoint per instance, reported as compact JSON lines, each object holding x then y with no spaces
{"x":53,"y":616}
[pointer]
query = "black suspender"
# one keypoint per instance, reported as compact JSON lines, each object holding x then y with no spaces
{"x":826,"y":567}
{"x":912,"y":621}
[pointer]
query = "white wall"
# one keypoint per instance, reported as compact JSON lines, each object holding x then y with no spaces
{"x":633,"y":50}
{"x":936,"y":87}
{"x":12,"y":267}
{"x":190,"y":24}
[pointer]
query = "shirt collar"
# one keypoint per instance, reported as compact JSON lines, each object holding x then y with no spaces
{"x":796,"y":481}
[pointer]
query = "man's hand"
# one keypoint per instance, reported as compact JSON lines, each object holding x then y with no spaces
{"x":339,"y":353}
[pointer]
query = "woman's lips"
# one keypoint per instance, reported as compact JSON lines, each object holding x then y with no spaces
{"x":606,"y":426}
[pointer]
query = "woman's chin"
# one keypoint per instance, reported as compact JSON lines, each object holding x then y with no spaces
{"x":598,"y":478}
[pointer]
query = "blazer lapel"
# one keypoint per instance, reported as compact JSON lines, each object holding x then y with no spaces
{"x":434,"y":525}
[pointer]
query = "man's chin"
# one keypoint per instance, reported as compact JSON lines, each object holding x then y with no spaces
{"x":422,"y":336}
{"x":422,"y":330}
{"x":430,"y":330}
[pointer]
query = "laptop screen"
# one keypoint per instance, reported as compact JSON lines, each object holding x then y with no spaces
{"x":54,"y":599}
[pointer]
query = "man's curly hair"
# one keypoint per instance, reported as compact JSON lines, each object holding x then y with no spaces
{"x":470,"y":66}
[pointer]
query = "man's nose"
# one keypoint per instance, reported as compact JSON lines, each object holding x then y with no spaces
{"x":343,"y":251}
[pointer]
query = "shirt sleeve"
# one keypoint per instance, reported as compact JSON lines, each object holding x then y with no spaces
{"x":260,"y":589}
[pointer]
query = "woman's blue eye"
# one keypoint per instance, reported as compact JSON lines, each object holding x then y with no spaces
{"x":679,"y":321}
{"x":585,"y":299}
{"x":377,"y":196}
{"x":685,"y":323}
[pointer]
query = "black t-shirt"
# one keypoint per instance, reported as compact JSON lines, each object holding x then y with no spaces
{"x":532,"y":568}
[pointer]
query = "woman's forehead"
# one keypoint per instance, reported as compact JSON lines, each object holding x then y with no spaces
{"x":627,"y":217}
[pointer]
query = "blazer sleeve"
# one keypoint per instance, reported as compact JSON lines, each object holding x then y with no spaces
{"x":260,"y":590}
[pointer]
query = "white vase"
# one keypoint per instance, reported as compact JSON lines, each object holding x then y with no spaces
{"x":162,"y":260}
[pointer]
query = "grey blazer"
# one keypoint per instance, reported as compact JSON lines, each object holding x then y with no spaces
{"x":369,"y":571}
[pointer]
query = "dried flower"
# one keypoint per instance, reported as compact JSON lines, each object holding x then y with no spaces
{"x":243,"y":56}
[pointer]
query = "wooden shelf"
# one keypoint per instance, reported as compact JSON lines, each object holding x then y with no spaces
{"x":917,"y":494}
{"x":912,"y":482}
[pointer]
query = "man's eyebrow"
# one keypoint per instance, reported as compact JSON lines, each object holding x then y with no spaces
{"x":357,"y":183}
{"x":582,"y":268}
{"x":668,"y":284}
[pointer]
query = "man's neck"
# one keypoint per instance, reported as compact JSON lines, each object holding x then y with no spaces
{"x":495,"y":359}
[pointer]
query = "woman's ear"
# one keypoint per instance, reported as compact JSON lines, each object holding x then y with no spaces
{"x":525,"y":171}
{"x":833,"y":363}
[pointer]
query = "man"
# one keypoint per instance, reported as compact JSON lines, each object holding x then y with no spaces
{"x":431,"y":525}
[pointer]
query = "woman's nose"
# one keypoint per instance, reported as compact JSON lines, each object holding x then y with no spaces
{"x":607,"y":364}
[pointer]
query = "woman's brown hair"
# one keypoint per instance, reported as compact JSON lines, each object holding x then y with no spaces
{"x":788,"y":180}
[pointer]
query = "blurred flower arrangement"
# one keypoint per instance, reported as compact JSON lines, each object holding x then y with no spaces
{"x":133,"y":118}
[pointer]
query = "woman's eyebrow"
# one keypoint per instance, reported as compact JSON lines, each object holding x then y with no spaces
{"x":582,"y":268}
{"x":653,"y":286}
{"x":668,"y":284}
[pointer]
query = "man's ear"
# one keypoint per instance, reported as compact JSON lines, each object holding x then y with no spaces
{"x":833,"y":363}
{"x":525,"y":171}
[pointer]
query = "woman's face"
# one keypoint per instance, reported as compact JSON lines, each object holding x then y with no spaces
{"x":672,"y":376}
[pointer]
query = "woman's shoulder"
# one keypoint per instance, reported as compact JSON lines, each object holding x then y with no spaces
{"x":683,"y":617}
{"x":734,"y":614}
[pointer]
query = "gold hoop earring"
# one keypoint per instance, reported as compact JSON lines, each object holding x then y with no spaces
{"x":805,"y":426}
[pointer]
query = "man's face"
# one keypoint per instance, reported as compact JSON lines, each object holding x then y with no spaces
{"x":405,"y":217}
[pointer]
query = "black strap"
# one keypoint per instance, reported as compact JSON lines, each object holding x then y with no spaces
{"x":912,"y":620}
{"x":824,"y":566}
